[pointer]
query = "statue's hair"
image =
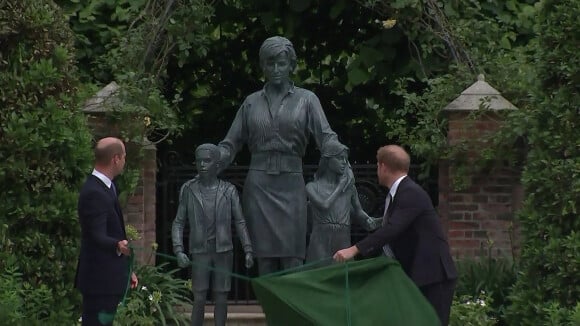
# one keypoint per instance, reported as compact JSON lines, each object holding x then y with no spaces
{"x":331,"y":149}
{"x":213,"y":149}
{"x":275,"y":45}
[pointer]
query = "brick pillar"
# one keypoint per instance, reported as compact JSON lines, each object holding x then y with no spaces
{"x":480,"y":218}
{"x":139,"y":209}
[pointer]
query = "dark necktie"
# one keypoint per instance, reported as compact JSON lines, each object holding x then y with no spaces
{"x":386,"y":248}
{"x":113,"y":189}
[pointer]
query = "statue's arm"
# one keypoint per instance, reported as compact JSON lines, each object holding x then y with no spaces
{"x":234,"y":140}
{"x":359,"y":214}
{"x":239,"y":221}
{"x":318,"y":125}
{"x":179,"y":222}
{"x":319,"y":200}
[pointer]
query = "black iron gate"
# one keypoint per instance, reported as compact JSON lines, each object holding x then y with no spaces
{"x":173,"y":173}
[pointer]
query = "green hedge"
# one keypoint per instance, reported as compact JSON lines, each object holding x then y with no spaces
{"x":44,"y":155}
{"x":547,"y":291}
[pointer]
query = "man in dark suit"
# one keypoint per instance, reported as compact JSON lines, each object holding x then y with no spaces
{"x":102,"y":272}
{"x":413,"y":231}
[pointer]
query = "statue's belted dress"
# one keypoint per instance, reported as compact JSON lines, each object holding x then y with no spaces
{"x":274,"y":195}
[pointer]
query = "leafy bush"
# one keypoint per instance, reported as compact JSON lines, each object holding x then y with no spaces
{"x":21,"y":303}
{"x":472,"y":311}
{"x":492,"y":276}
{"x":561,"y":316}
{"x":44,"y":155}
{"x":157,"y":299}
{"x":547,"y":288}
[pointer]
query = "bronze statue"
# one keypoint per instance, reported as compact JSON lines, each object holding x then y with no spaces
{"x":209,"y":204}
{"x":333,"y":199}
{"x":276,"y":124}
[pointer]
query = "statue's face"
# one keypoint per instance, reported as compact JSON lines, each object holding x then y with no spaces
{"x":277,"y":69}
{"x":339,"y":163}
{"x":206,"y":164}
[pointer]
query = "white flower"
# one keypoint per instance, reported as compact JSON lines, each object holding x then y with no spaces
{"x":143,"y":288}
{"x":150,"y":297}
{"x":80,"y":319}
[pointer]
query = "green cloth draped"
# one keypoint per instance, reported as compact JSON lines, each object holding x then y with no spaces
{"x":373,"y":292}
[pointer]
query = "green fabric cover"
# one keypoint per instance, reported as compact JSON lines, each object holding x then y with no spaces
{"x":379,"y":293}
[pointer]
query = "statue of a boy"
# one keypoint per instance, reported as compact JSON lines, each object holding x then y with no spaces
{"x":209,"y":204}
{"x":333,"y":198}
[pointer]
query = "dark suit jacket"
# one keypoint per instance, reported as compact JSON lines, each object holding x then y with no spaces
{"x":100,"y":269}
{"x":191,"y":209}
{"x":415,"y":235}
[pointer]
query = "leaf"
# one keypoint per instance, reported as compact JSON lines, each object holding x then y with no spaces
{"x":337,"y":9}
{"x":299,"y":5}
{"x":369,"y":56}
{"x":505,"y":43}
{"x":357,"y":76}
{"x":267,"y":19}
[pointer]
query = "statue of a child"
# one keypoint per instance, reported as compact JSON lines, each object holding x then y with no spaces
{"x":209,"y":204}
{"x":333,"y":199}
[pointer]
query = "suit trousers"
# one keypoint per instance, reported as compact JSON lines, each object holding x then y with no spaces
{"x":440,"y":295}
{"x":94,"y":304}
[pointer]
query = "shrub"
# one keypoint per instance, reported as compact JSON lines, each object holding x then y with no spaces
{"x":548,"y":286}
{"x":492,"y":276}
{"x":472,"y":311}
{"x":157,"y":299}
{"x":44,"y":155}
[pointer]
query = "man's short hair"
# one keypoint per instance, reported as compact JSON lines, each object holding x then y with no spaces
{"x":394,"y":157}
{"x":104,"y":154}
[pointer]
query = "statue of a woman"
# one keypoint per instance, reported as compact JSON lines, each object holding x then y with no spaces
{"x":276,"y":124}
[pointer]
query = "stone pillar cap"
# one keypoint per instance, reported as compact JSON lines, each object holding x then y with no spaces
{"x":103,"y":100}
{"x":477,"y":94}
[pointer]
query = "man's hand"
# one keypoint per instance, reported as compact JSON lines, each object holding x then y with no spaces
{"x":182,"y":260}
{"x":123,"y":248}
{"x":249,"y":260}
{"x":345,"y":254}
{"x":134,"y":281}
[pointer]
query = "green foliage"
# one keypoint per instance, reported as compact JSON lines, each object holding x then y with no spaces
{"x":132,"y":42}
{"x":445,"y":29}
{"x":44,"y":155}
{"x":158,"y":299}
{"x":547,"y":290}
{"x":493,"y":277}
{"x":22,"y":303}
{"x":556,"y":315}
{"x":472,"y":310}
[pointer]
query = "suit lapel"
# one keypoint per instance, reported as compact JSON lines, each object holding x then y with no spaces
{"x":401,"y":186}
{"x":116,"y":204}
{"x":391,"y":206}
